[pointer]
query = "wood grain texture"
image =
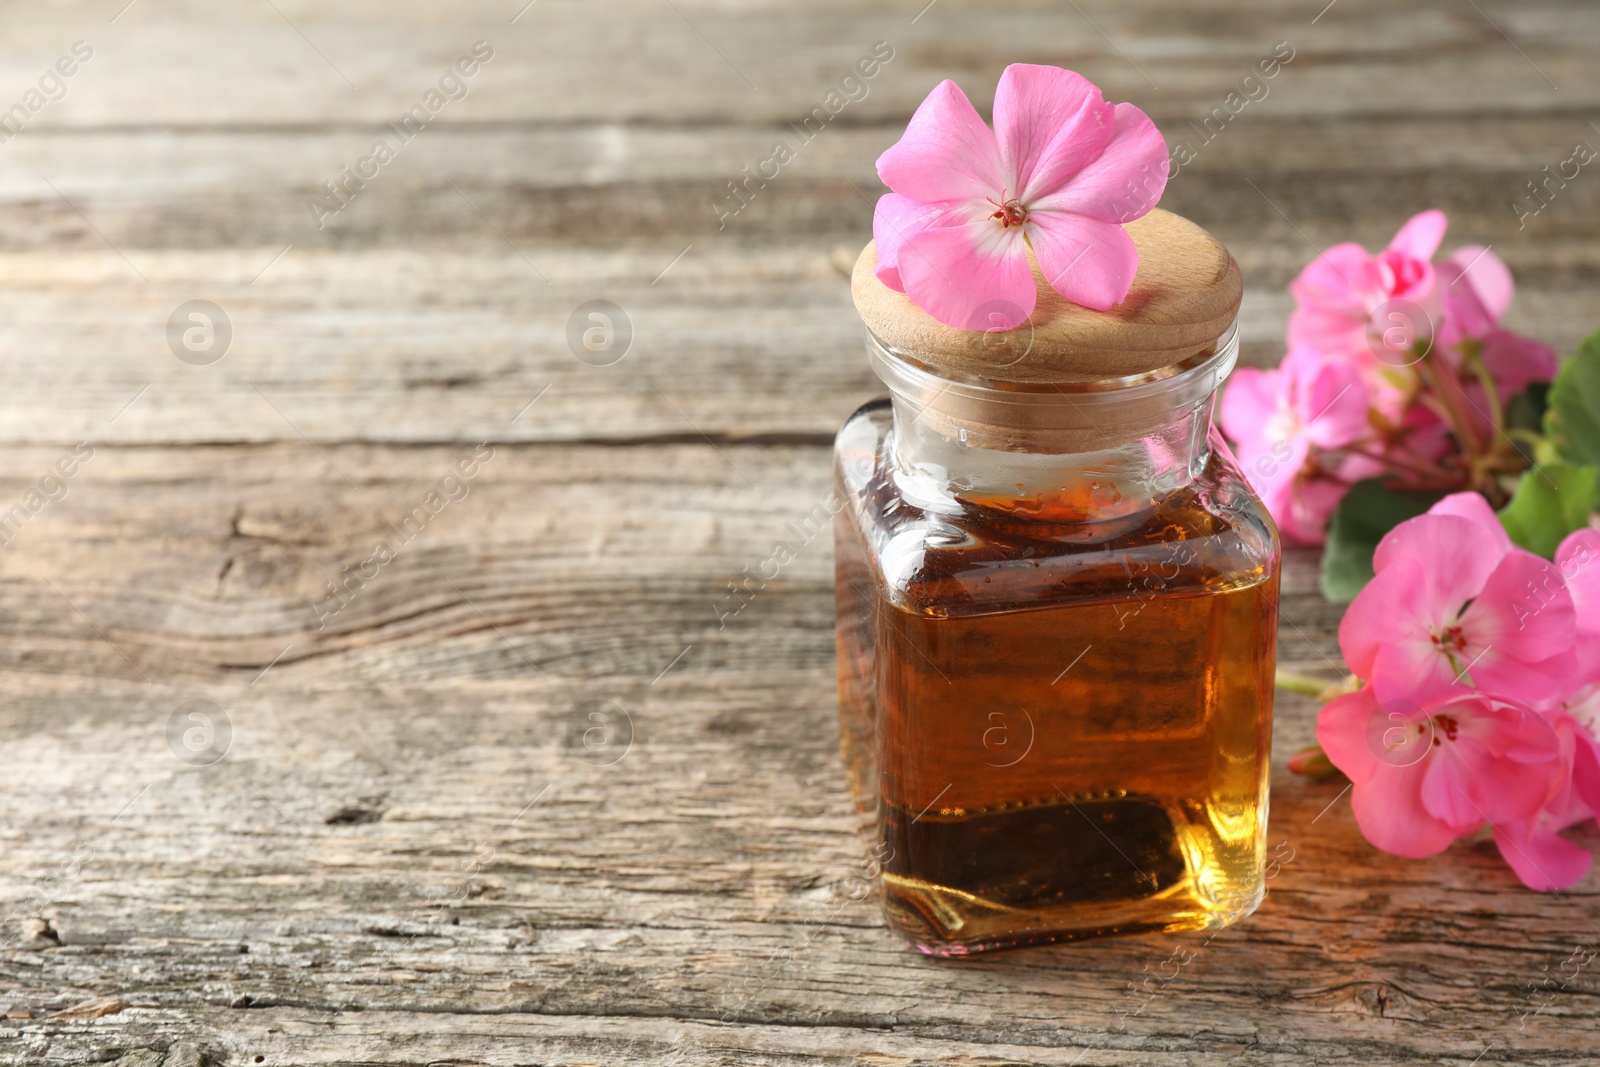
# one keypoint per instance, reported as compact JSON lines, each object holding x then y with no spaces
{"x":523,"y":798}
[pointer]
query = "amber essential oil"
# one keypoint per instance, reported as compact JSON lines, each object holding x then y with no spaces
{"x":1059,"y":726}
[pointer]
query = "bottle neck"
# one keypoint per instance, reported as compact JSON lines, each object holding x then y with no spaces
{"x":1086,"y":452}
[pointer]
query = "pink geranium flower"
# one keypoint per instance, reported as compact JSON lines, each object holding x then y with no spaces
{"x":1340,"y":297}
{"x":1060,"y":173}
{"x":1381,"y":310}
{"x":1278,"y":418}
{"x":1454,"y":603}
{"x":1424,"y":775}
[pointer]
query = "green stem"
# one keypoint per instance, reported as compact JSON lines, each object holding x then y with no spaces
{"x":1480,"y":371}
{"x":1302,"y":683}
{"x":1447,"y":387}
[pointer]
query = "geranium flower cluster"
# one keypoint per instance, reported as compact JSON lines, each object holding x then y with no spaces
{"x":1397,"y":367}
{"x":1481,"y":699}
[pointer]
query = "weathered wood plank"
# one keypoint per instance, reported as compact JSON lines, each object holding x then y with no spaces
{"x":615,"y":185}
{"x":199,"y":565}
{"x":429,"y":346}
{"x":306,"y":63}
{"x":704,"y":876}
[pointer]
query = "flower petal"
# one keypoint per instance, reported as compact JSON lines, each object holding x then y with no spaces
{"x":1476,"y":785}
{"x":1050,"y":124}
{"x":897,"y":217}
{"x":1342,"y":731}
{"x":1339,"y":278}
{"x":1459,"y":555}
{"x":1390,"y":812}
{"x":1087,"y":261}
{"x":1586,"y":770}
{"x":1312,"y":504}
{"x":1578,"y":560}
{"x":1370,"y":619}
{"x":1419,"y":238}
{"x":946,"y":153}
{"x":1475,"y":509}
{"x":1123,"y":184}
{"x":1328,"y":396}
{"x":1445,"y":799}
{"x":972,"y":275}
{"x":1481,"y":278}
{"x":1333,"y":301}
{"x":1413,"y":669}
{"x":1523,"y":616}
{"x":1272,"y":468}
{"x":1540,"y":857}
{"x":1248,"y":403}
{"x":1514,"y":361}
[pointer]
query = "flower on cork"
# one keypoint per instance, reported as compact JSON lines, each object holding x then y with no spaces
{"x":1060,"y":173}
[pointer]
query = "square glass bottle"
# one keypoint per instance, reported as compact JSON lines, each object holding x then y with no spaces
{"x":1057,"y":615}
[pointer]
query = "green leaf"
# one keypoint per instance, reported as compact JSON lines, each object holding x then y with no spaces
{"x":1368,"y":511}
{"x":1573,"y":418}
{"x":1525,"y":411}
{"x":1551,"y":502}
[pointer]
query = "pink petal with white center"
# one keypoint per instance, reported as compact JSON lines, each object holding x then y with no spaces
{"x":946,"y":153}
{"x":1475,"y":509}
{"x":1121,"y":185}
{"x":1050,"y":124}
{"x":1419,"y":238}
{"x":1087,"y":261}
{"x":1541,"y":858}
{"x":972,"y":275}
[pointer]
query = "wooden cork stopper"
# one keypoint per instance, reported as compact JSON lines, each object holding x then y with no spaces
{"x":1185,"y":295}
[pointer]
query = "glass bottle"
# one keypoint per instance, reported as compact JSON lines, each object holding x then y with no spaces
{"x":1057,"y":619}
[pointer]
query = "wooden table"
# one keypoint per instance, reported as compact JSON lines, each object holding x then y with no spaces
{"x":521,"y":797}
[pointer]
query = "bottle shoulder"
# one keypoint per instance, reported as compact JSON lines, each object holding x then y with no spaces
{"x":1210,"y":536}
